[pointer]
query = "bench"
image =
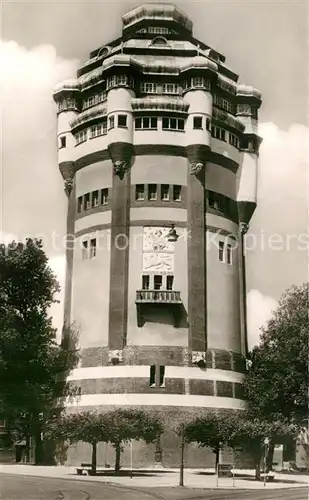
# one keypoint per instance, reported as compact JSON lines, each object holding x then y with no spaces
{"x":225,"y":470}
{"x":86,"y":467}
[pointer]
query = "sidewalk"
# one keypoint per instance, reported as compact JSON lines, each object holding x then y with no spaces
{"x":193,"y":478}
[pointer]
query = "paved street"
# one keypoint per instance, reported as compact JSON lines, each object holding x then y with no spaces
{"x":16,"y":487}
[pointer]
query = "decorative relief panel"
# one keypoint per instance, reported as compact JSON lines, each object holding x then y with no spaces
{"x":158,"y":252}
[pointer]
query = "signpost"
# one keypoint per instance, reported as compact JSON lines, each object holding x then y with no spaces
{"x":266,"y":444}
{"x":182,"y":448}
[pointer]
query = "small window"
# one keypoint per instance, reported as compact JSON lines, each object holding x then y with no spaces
{"x":138,"y":123}
{"x":157,"y":281}
{"x":181,"y":124}
{"x":95,"y":198}
{"x":229,"y":254}
{"x":146,"y":282}
{"x":169,"y":282}
{"x":152,"y":192}
{"x":122,"y":120}
{"x":165,"y":122}
{"x":197,"y":122}
{"x":221,"y":251}
{"x":173,"y":123}
{"x":162,"y":374}
{"x":222,"y":134}
{"x":140,"y":192}
{"x":213,"y":200}
{"x":152,"y":378}
{"x":176,"y":193}
{"x":79,"y":204}
{"x":87,"y":201}
{"x":63,"y":142}
{"x":85,"y":250}
{"x":197,"y":81}
{"x":208,"y":124}
{"x":165,"y":192}
{"x":111,"y":122}
{"x":104,"y":196}
{"x":93,"y":248}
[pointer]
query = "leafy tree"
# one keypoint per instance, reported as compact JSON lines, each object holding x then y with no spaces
{"x":115,"y":427}
{"x":89,"y":427}
{"x":128,"y":424}
{"x":212,"y":430}
{"x":250,"y":433}
{"x":33,"y":366}
{"x":277,"y":381}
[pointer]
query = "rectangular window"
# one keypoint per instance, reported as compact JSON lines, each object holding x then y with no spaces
{"x":170,"y":88}
{"x":111,"y":122}
{"x":79,"y":204}
{"x":122,"y":120}
{"x":146,"y":122}
{"x":87,"y":204}
{"x":139,"y":192}
{"x":63,"y":142}
{"x":146,"y":282}
{"x":176,"y":193}
{"x":229,"y":254}
{"x":152,"y":192}
{"x":152,"y":377}
{"x":99,"y":129}
{"x":173,"y":123}
{"x":197,"y":81}
{"x":222,"y":134}
{"x":93,"y":248}
{"x":208,"y":124}
{"x":157,"y":282}
{"x":81,"y":136}
{"x":165,"y":192}
{"x":95,"y":198}
{"x":85,"y":250}
{"x":122,"y":80}
{"x":213,"y":200}
{"x":198,"y":122}
{"x":162,"y":374}
{"x":221,"y":251}
{"x":165,"y":123}
{"x":148,"y":87}
{"x":104,"y":196}
{"x":169,"y":282}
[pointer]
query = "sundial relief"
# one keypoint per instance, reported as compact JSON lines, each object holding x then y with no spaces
{"x":158,"y":252}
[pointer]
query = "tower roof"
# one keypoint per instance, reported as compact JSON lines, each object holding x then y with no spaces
{"x":157,"y":12}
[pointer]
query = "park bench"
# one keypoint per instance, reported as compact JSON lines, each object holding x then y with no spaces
{"x":86,"y":467}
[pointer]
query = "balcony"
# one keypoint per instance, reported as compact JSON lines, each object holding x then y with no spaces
{"x":162,"y":298}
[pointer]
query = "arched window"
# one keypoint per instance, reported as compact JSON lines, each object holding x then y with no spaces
{"x":159,"y":41}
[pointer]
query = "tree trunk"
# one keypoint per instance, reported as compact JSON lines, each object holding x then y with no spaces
{"x":94,"y":459}
{"x":257,"y":459}
{"x":38,"y":453}
{"x":217,"y":453}
{"x":270,"y":457}
{"x":117,"y":461}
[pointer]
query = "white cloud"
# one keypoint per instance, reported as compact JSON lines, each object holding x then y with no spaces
{"x":259,"y":311}
{"x":32,"y":189}
{"x":281,"y":209}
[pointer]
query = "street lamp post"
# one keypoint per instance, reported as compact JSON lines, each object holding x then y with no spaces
{"x":182,"y":448}
{"x":266,"y":443}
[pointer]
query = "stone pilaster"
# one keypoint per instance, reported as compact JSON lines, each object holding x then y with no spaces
{"x":120,"y":154}
{"x":68,"y":173}
{"x":197,"y":290}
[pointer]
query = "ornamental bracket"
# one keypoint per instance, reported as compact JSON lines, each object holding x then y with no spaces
{"x":196,"y":168}
{"x":120,"y":168}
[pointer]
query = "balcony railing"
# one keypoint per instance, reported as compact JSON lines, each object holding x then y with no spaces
{"x":158,"y":297}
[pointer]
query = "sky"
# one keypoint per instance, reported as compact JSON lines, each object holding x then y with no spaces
{"x":264,"y":42}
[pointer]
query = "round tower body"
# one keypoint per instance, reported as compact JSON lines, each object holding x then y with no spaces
{"x":159,"y":182}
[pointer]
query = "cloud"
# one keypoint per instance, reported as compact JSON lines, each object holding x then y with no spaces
{"x":281,"y":209}
{"x":32,"y":190}
{"x":259,"y":311}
